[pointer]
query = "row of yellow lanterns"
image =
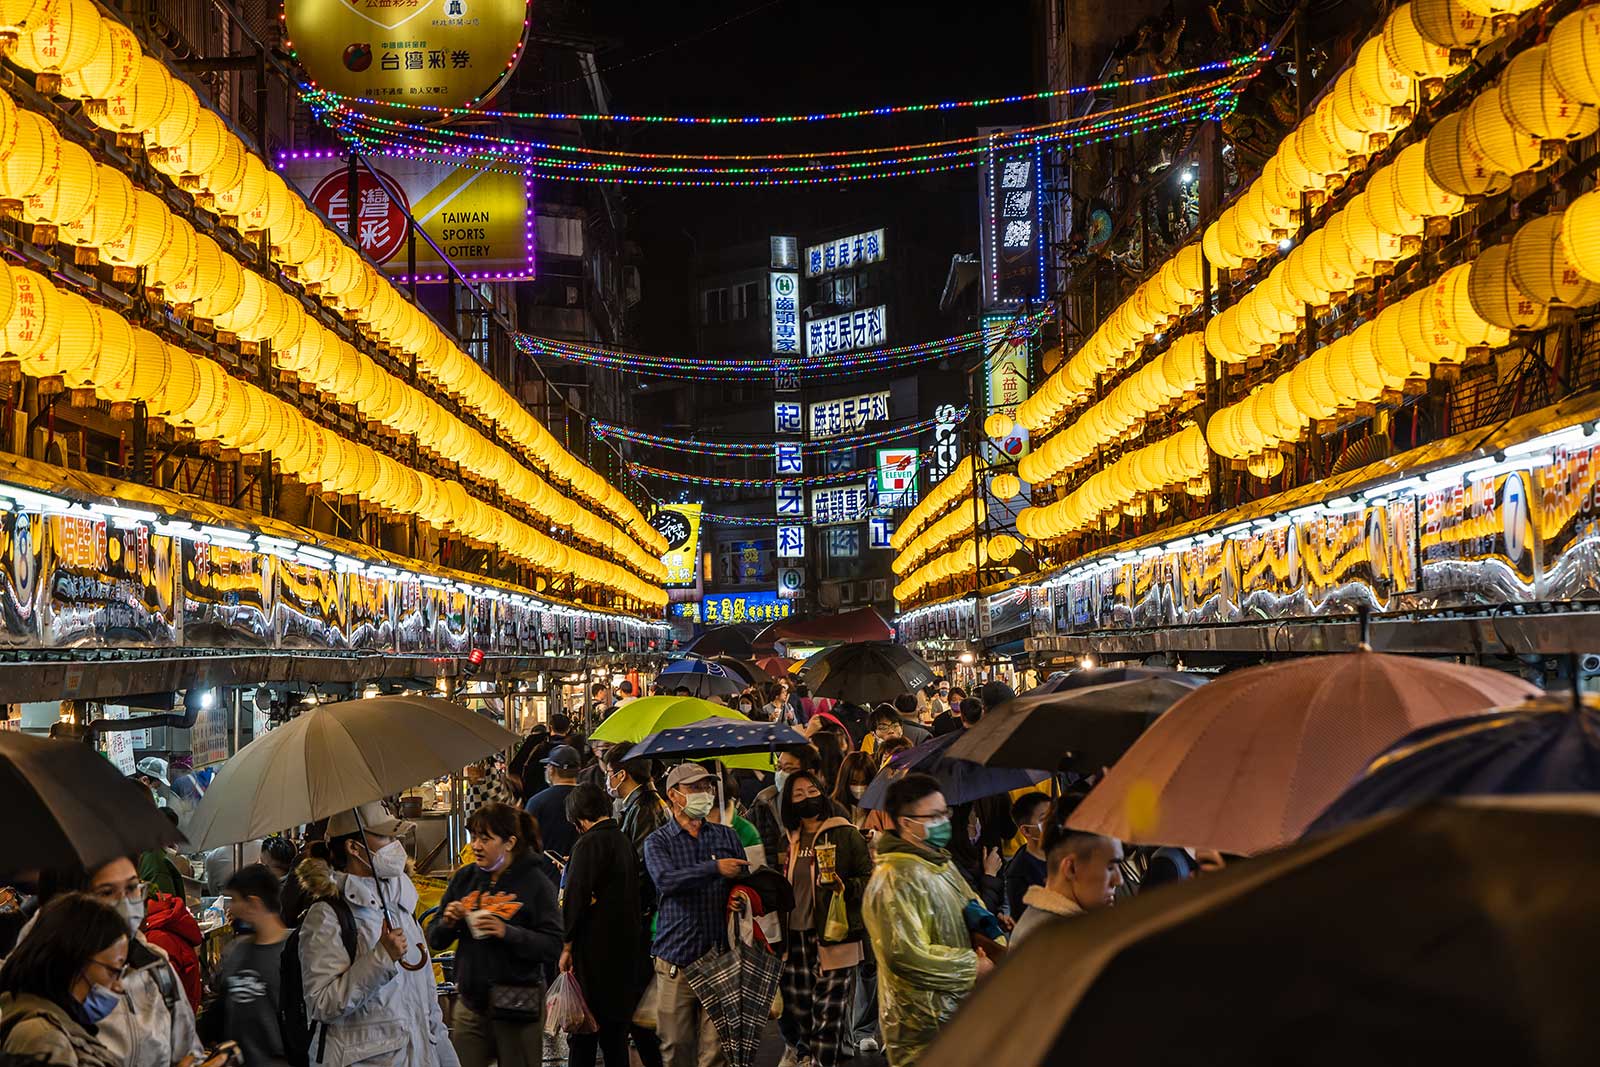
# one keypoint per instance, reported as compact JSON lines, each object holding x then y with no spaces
{"x":963,"y":559}
{"x":85,"y":201}
{"x":1179,"y":459}
{"x":958,"y":523}
{"x":1176,"y":374}
{"x":950,"y":489}
{"x":1553,"y":260}
{"x":57,"y":333}
{"x":1173,"y":291}
{"x":99,"y":61}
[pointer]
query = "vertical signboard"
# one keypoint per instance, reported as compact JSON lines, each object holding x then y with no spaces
{"x":1012,"y":222}
{"x":783,"y":292}
{"x":792,"y":541}
{"x":897,"y":477}
{"x":946,"y":451}
{"x":680,"y":525}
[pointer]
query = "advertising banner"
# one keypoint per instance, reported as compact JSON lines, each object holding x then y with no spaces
{"x":719,"y":609}
{"x":680,"y":525}
{"x":105,"y":586}
{"x":897,"y":477}
{"x":848,"y":414}
{"x":227,"y":595}
{"x":848,"y":331}
{"x":845,"y":253}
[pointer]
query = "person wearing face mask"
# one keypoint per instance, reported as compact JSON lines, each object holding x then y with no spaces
{"x":915,"y":912}
{"x":691,"y":861}
{"x":504,"y":951}
{"x":639,"y":812}
{"x":1028,"y":868}
{"x":377,"y":1005}
{"x":819,"y":964}
{"x":152,"y":1024}
{"x":600,"y":914}
{"x":764,"y":814}
{"x":245,"y":987}
{"x":59,"y":986}
{"x":1084,"y":875}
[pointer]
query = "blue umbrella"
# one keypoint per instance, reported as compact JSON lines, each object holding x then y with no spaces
{"x":1539,"y":746}
{"x":701,"y":677}
{"x":960,"y":780}
{"x":713,"y":738}
{"x":1082,"y":679}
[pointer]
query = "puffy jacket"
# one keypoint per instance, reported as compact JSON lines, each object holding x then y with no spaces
{"x":375,"y":1011}
{"x":42,"y":1030}
{"x":144,"y":1031}
{"x":169,"y":926}
{"x":926,"y":964}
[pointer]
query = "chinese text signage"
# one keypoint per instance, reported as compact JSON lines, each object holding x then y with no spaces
{"x":744,"y":607}
{"x":862,"y":328}
{"x":680,"y":525}
{"x":845,"y":253}
{"x":850,"y":414}
{"x":784,"y":294}
{"x":839,"y":503}
{"x":1013,"y":225}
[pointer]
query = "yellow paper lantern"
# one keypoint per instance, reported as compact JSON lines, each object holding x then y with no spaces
{"x":250,"y":191}
{"x":1541,"y":269}
{"x":110,"y":71}
{"x":1580,"y":234}
{"x":152,"y":364}
{"x":1452,"y":310}
{"x":1411,"y":52}
{"x":229,"y":168}
{"x":146,"y":235}
{"x":181,"y":387}
{"x":63,"y":40}
{"x":1424,"y":338}
{"x":108,"y":373}
{"x":230,"y":285}
{"x":1496,"y":298}
{"x":69,"y":196}
{"x":24,"y":171}
{"x":998,"y":425}
{"x":141,"y":105}
{"x":1575,"y":55}
{"x":1001,"y":547}
{"x":34,"y":322}
{"x":1534,"y":103}
{"x":180,"y":119}
{"x":1005,"y":486}
{"x":1416,"y":191}
{"x":1376,"y":76}
{"x":200,"y":152}
{"x":76,"y":342}
{"x":1358,"y":110}
{"x":177,"y":260}
{"x":17,"y":15}
{"x":1448,"y":24}
{"x":1458,"y":165}
{"x":1490,"y":132}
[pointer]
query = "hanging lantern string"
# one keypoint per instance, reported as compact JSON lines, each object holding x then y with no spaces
{"x":834,"y":478}
{"x":1261,"y":54}
{"x":757,"y":449}
{"x":669,"y":366}
{"x":387,"y":125}
{"x":481,"y":153}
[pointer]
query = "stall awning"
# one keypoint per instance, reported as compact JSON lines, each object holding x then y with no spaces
{"x":862,"y":624}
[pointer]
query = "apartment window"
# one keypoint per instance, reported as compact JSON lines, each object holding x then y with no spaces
{"x":714,"y":306}
{"x":743,"y":301}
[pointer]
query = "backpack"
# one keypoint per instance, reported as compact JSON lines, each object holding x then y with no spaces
{"x":294,"y":1022}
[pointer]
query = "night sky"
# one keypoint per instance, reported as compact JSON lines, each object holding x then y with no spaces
{"x":790,"y":56}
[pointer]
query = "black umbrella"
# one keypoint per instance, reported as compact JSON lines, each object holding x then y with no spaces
{"x":1089,"y":676}
{"x":1462,"y":928}
{"x":743,"y":668}
{"x":961,"y":781}
{"x":715,"y":738}
{"x":865,"y":673}
{"x":1540,"y":746}
{"x":734,"y":640}
{"x":66,"y":806}
{"x":702,"y":677}
{"x":1086,"y":728}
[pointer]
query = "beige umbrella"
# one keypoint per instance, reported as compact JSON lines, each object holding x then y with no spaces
{"x":1244,"y":763}
{"x":336,"y":758}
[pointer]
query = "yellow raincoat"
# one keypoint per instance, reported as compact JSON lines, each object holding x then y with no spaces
{"x":926,"y":964}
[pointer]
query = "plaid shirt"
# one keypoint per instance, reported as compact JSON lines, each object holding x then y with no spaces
{"x":693,"y":895}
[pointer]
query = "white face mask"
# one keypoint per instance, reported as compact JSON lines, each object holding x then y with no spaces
{"x":745,"y":705}
{"x":389,"y":861}
{"x":133,"y":911}
{"x":858,"y":791}
{"x":698,"y":805}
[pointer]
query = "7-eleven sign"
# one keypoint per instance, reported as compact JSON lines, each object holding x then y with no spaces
{"x":897,"y":477}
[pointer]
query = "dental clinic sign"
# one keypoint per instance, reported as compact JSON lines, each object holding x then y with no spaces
{"x":845,"y":253}
{"x":862,"y":328}
{"x":784,"y":297}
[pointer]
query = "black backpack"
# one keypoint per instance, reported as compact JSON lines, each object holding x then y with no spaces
{"x":294,"y":1024}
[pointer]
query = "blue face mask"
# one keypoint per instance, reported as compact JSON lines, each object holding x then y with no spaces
{"x":100,"y":1003}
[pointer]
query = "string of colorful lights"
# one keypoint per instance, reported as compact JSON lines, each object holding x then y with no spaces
{"x":1262,"y":53}
{"x":483,"y":141}
{"x":835,"y":478}
{"x":670,"y":366}
{"x":1210,"y":104}
{"x":756,"y":449}
{"x":775,"y":520}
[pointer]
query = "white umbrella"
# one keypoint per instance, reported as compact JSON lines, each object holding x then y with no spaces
{"x":336,"y":758}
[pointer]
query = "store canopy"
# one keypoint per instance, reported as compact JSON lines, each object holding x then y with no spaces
{"x":862,"y":624}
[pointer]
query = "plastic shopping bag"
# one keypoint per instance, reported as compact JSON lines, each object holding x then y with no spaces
{"x":837,"y":928}
{"x":645,"y":1015}
{"x":565,"y":1009}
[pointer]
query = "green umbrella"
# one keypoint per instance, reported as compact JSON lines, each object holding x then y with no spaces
{"x":640,"y":719}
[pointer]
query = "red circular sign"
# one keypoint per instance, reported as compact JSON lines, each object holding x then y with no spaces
{"x":380,"y":221}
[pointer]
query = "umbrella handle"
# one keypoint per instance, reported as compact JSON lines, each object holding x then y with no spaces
{"x":383,"y":903}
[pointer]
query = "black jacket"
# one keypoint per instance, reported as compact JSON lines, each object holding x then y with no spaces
{"x":600,"y":914}
{"x":533,"y":934}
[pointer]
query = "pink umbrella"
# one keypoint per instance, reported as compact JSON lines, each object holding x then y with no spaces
{"x":1245,"y":763}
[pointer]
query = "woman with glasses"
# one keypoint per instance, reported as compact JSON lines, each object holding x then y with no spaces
{"x":62,"y":982}
{"x":152,"y":1024}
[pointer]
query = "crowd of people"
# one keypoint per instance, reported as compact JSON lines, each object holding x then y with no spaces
{"x":586,"y":862}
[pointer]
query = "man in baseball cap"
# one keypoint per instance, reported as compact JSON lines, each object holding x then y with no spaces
{"x":691,"y":862}
{"x":549,"y":806}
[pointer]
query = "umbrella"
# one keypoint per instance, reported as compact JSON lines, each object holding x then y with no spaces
{"x":1244,"y":763}
{"x":866,"y":673}
{"x":701,"y":677}
{"x":67,"y":807}
{"x":1082,"y":679}
{"x":714,"y":738}
{"x":736,"y":640}
{"x":961,"y":781}
{"x":1091,"y":728}
{"x":742,"y":669}
{"x":776,"y":666}
{"x":337,"y":757}
{"x":736,"y":988}
{"x":1541,"y":746}
{"x":1397,"y":940}
{"x":640,"y":719}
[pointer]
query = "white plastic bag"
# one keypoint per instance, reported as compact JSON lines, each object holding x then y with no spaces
{"x":565,"y":1009}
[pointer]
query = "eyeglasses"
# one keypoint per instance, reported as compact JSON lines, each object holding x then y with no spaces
{"x":113,"y":893}
{"x":933,"y":816}
{"x":117,"y":973}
